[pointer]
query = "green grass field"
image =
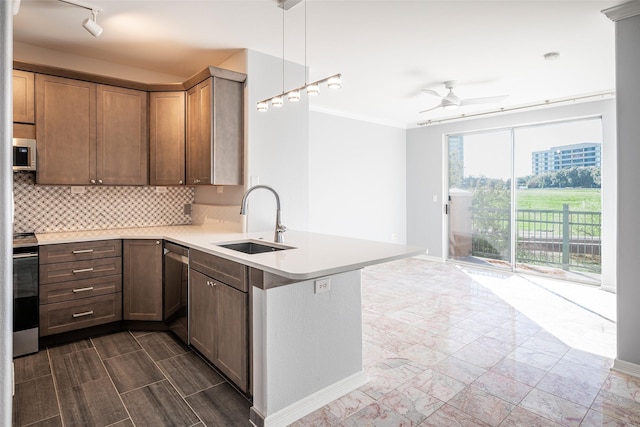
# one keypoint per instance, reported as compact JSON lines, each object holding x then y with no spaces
{"x":579,"y":199}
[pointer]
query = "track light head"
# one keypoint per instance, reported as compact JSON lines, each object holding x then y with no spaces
{"x":91,"y":25}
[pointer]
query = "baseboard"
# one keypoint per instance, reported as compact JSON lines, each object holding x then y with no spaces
{"x":626,"y":368}
{"x":315,"y":401}
{"x":429,"y":258}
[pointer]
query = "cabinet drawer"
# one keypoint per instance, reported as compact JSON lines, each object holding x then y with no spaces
{"x":78,"y":270}
{"x":71,"y":315}
{"x":66,"y":252}
{"x":79,"y":289}
{"x":232,"y":273}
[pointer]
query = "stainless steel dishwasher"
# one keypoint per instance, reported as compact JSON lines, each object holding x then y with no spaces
{"x":176,"y":289}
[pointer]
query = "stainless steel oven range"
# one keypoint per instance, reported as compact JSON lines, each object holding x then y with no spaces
{"x":25,"y":294}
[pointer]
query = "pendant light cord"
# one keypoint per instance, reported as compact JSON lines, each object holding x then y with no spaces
{"x":305,"y":42}
{"x":283,"y":50}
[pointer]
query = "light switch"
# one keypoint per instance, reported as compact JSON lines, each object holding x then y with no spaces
{"x":435,"y":198}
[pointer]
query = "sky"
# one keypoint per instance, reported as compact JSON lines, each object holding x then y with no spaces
{"x":489,"y":153}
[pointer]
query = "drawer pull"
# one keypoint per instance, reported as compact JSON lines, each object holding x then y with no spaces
{"x":84,"y":313}
{"x":83,"y":270}
{"x":82,"y":251}
{"x":90,"y":288}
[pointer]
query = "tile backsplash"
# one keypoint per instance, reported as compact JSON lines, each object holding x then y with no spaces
{"x":51,"y":208}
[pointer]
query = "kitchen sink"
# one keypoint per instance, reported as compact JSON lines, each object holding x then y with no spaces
{"x":253,"y":247}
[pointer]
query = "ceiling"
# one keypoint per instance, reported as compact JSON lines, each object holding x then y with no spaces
{"x":386,"y":50}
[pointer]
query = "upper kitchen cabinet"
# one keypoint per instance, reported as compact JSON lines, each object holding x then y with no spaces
{"x":166,"y":138}
{"x":215,"y":131}
{"x":90,"y":134}
{"x":66,"y":130}
{"x":122,"y":143}
{"x":23,"y":97}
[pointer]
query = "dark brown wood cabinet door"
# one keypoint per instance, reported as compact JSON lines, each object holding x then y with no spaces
{"x":202,"y":315}
{"x":142,"y":279}
{"x":228,"y":138}
{"x":122,"y":141}
{"x":199,"y":133}
{"x":23,"y":97}
{"x":232,"y":345}
{"x":66,"y":131}
{"x":166,"y":138}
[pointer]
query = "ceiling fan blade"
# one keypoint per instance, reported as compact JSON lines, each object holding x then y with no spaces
{"x":431,"y":92}
{"x":430,"y":109}
{"x":485,"y":100}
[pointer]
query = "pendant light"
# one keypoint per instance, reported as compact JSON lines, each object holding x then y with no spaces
{"x":313,"y":88}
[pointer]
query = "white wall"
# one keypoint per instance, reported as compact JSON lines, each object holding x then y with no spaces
{"x":628,"y":105}
{"x":425,"y":169}
{"x":357,"y":180}
{"x":55,"y":58}
{"x":277,"y":146}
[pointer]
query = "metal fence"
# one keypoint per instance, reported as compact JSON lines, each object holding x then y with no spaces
{"x":566,"y":239}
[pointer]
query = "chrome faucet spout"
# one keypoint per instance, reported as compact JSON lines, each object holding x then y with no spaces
{"x":280,"y":228}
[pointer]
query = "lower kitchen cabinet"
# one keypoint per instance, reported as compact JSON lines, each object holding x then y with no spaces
{"x":218,"y":319}
{"x":82,"y":313}
{"x":142,"y":279}
{"x":80,"y":285}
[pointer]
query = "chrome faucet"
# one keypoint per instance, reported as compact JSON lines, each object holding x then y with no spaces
{"x":280,"y":228}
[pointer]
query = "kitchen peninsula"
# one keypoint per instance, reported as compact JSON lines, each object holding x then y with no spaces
{"x":305,"y":310}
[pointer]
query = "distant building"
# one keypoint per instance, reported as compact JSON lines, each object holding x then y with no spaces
{"x":456,"y":160}
{"x":566,"y":156}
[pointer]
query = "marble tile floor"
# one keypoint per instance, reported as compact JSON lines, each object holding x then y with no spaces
{"x":450,"y":345}
{"x":443,"y":345}
{"x":123,"y":379}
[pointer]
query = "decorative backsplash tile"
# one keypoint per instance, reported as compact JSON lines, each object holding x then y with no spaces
{"x":49,"y":208}
{"x":219,"y":217}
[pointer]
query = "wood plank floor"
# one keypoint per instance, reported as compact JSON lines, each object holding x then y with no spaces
{"x":124,"y":379}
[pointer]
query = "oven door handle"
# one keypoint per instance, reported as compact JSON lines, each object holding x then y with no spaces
{"x":25,"y":255}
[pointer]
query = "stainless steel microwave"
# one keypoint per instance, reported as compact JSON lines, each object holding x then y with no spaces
{"x":24,"y":154}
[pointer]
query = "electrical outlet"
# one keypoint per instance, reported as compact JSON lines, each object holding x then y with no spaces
{"x":78,"y":190}
{"x":220,"y":189}
{"x":161,"y":190}
{"x":426,"y":252}
{"x":322,"y":285}
{"x":187,"y":209}
{"x":394,"y":236}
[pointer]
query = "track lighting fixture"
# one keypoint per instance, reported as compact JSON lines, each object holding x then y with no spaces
{"x":312,"y":89}
{"x":89,"y":23}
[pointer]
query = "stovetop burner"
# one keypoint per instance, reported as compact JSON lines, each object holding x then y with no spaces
{"x":21,"y":240}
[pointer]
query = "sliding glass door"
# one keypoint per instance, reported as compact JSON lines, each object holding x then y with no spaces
{"x":528,"y":198}
{"x":480,"y":197}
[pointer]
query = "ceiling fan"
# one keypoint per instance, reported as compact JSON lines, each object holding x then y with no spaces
{"x":451,"y":101}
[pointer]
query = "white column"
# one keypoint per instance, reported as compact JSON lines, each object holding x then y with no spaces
{"x":6,"y":193}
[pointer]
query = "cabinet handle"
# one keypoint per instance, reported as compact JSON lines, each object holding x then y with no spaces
{"x":83,"y":270}
{"x":157,"y":242}
{"x":90,"y":288}
{"x":99,"y":181}
{"x":82,"y":251}
{"x":180,"y":182}
{"x":84,"y":313}
{"x":93,"y":181}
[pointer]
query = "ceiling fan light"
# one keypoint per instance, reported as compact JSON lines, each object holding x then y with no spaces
{"x":277,"y":101}
{"x":334,"y":82}
{"x":263,"y":106}
{"x":313,"y":89}
{"x":294,"y":95}
{"x":449,"y":105}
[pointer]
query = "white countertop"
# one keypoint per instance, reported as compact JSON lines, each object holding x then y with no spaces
{"x":313,"y":255}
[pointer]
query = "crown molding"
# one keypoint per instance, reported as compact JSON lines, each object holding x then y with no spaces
{"x":623,"y":11}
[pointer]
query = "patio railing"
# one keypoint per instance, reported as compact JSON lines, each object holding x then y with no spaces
{"x":566,"y":239}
